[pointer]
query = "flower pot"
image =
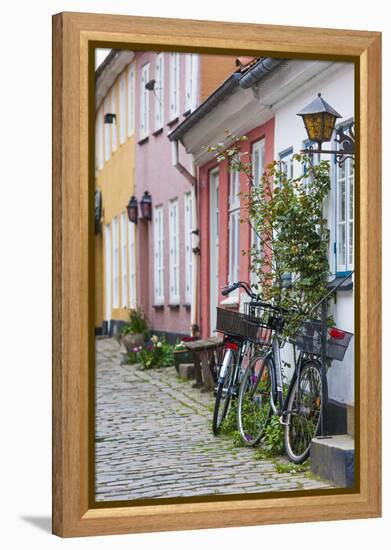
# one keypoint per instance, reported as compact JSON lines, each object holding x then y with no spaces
{"x":131,"y":341}
{"x":182,"y":356}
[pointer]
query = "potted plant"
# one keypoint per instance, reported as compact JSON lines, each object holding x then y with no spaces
{"x":181,"y":353}
{"x":134,"y":332}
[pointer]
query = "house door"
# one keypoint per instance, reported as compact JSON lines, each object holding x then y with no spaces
{"x":214,"y":245}
{"x":108,"y":276}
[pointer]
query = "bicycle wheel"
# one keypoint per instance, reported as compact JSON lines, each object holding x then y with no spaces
{"x":224,"y":393}
{"x":254,"y":401}
{"x":304,"y":412}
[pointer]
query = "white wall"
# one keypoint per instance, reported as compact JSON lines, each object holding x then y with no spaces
{"x":337,"y":88}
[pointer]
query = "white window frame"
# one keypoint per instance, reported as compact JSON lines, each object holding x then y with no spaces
{"x":114,"y":137}
{"x":344,"y":218}
{"x":124,"y":261}
{"x":100,"y":142}
{"x":131,"y":80}
{"x":108,"y":274}
{"x":158,"y":255}
{"x":174,"y":250}
{"x":257,"y":172}
{"x":286,"y":162}
{"x":115,"y":236}
{"x":188,"y":214}
{"x":234,"y":227}
{"x":159,"y":91}
{"x":132,"y":264}
{"x":107,"y":138}
{"x":174,"y":85}
{"x":191,"y":79}
{"x":144,"y":102}
{"x":122,"y":109}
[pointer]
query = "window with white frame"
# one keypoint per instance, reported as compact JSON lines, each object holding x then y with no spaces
{"x":96,"y":147}
{"x":115,"y":263}
{"x":114,"y":122}
{"x":158,"y":255}
{"x":132,"y":264}
{"x":174,"y":85}
{"x":192,"y":63}
{"x":106,"y":110}
{"x":258,"y":161}
{"x":234,"y":226}
{"x":122,"y":109}
{"x":285,"y":158}
{"x":286,"y":162}
{"x":99,"y":144}
{"x":159,"y":91}
{"x":174,"y":252}
{"x":124,"y":262}
{"x":130,"y":101}
{"x":188,"y":246}
{"x":144,"y":102}
{"x":345,"y":217}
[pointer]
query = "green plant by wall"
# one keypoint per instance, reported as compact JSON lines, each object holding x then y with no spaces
{"x":137,"y":324}
{"x":157,"y":355}
{"x":293,"y":239}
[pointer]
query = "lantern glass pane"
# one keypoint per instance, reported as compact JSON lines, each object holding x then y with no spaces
{"x":328,"y":126}
{"x":313,"y":124}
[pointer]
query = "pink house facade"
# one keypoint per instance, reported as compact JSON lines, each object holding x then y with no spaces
{"x":168,"y":87}
{"x":224,"y":264}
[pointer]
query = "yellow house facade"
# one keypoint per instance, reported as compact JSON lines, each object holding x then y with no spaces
{"x":115,"y":244}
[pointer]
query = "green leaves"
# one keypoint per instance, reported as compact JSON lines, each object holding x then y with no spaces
{"x":287,"y":214}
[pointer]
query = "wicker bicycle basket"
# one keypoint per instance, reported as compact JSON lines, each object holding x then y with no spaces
{"x":266,"y":317}
{"x":308,"y":339}
{"x":235,"y":324}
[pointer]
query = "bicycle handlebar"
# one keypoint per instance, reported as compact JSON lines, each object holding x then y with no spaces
{"x":239,"y":284}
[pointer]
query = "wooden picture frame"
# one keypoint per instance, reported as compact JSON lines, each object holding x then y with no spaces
{"x":74,"y":34}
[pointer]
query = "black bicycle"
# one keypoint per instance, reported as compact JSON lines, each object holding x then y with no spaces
{"x":238,"y":346}
{"x":262,"y":392}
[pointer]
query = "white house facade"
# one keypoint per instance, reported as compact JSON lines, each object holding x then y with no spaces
{"x":336,"y":84}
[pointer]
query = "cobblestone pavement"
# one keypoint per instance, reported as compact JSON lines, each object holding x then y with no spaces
{"x":154,"y":439}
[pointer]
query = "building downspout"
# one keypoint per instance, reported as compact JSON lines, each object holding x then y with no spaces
{"x":194,"y":328}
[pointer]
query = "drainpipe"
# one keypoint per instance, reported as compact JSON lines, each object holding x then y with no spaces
{"x":194,"y":329}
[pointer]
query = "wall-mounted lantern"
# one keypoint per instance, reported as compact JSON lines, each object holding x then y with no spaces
{"x":319,"y":120}
{"x":132,"y":208}
{"x":98,"y":212}
{"x":146,"y":206}
{"x":110,"y":118}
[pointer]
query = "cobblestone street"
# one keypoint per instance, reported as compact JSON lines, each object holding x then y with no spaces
{"x":154,"y":439}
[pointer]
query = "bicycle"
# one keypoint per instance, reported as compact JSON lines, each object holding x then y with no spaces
{"x":238,"y":343}
{"x":261,"y":392}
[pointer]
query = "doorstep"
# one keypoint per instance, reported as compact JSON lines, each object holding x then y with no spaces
{"x":332,"y":458}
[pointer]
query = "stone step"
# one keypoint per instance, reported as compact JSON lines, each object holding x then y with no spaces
{"x":332,"y":458}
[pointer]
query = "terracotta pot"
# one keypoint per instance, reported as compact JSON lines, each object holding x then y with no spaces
{"x":131,"y":341}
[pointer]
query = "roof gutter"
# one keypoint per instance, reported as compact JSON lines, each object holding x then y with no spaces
{"x":263,"y":67}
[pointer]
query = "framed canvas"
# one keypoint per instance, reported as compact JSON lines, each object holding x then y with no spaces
{"x":98,"y":482}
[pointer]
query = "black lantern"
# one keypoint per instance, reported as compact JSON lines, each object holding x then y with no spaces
{"x":146,"y":206}
{"x":319,"y":120}
{"x":110,"y":118}
{"x":132,"y":208}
